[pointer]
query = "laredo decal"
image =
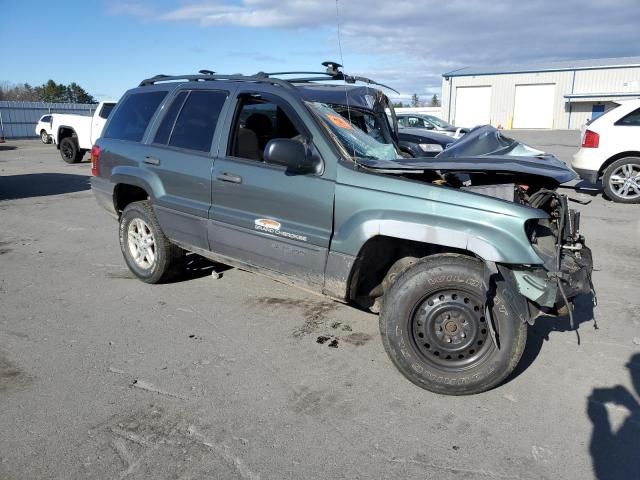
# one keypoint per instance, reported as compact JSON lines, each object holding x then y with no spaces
{"x":273,"y":227}
{"x":267,"y":225}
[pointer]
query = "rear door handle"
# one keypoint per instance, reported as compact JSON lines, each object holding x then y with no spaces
{"x":151,"y":160}
{"x":229,"y":177}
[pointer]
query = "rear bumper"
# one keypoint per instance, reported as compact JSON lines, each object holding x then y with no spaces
{"x":103,"y":191}
{"x":587,"y":162}
{"x":590,"y":176}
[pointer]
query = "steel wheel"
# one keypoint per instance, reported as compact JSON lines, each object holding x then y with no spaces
{"x":624,"y":181}
{"x":449,"y":330}
{"x":141,"y":243}
{"x":434,"y":329}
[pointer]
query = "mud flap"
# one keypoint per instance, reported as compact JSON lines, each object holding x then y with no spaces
{"x":490,"y":269}
{"x":519,"y":303}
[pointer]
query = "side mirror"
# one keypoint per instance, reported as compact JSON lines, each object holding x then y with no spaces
{"x":291,"y":154}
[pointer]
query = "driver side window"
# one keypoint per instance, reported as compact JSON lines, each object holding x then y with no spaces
{"x":257,"y":121}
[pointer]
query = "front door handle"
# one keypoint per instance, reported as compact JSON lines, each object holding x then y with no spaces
{"x":151,"y":160}
{"x":229,"y":177}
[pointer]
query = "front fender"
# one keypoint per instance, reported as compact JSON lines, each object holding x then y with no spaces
{"x":490,"y":228}
{"x":488,"y":242}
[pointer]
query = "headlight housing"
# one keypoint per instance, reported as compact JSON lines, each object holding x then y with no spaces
{"x":430,"y":147}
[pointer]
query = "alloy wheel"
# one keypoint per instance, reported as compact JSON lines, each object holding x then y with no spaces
{"x":141,"y":244}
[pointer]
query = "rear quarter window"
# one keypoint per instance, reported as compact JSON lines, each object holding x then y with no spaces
{"x":131,"y":119}
{"x":630,"y":119}
{"x":105,"y":111}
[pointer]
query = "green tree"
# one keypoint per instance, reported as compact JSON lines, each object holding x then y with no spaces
{"x":435,"y":102}
{"x":47,"y":92}
{"x":52,"y":92}
{"x":77,"y":94}
{"x":415,"y":100}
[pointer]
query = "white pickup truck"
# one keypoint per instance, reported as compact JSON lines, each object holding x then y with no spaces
{"x":74,"y":135}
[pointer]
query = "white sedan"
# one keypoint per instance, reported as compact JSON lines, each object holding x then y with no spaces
{"x":611,"y":151}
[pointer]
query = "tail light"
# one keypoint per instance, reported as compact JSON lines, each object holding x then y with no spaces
{"x":591,"y":139}
{"x":95,"y":160}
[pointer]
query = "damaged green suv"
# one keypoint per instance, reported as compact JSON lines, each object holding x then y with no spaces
{"x":303,"y":179}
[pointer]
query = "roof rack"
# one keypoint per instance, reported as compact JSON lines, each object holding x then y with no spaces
{"x":332,"y":73}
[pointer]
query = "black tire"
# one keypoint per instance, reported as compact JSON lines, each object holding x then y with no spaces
{"x":614,"y":190}
{"x":168,"y":259}
{"x":44,"y":137}
{"x":69,"y":150}
{"x":446,"y":346}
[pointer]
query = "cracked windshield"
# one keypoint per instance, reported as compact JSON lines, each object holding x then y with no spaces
{"x":360,"y":133}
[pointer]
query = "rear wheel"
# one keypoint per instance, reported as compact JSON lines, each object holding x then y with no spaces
{"x":621,"y":180}
{"x":69,"y":150}
{"x":148,"y":253}
{"x":44,"y":137}
{"x":435,"y":329}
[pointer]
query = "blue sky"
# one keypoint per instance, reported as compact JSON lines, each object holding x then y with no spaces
{"x":109,"y":46}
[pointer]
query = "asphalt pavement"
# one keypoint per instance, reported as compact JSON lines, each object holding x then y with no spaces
{"x":103,"y":376}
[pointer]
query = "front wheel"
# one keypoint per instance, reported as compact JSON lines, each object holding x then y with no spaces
{"x":435,"y":330}
{"x":621,"y":180}
{"x":148,"y":252}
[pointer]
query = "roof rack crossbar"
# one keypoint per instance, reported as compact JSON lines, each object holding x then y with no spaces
{"x":294,"y":73}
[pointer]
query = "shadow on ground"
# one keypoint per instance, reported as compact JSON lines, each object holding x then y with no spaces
{"x":197,"y":267}
{"x":7,"y":147}
{"x":41,"y":185}
{"x":539,"y":333}
{"x":615,"y":452}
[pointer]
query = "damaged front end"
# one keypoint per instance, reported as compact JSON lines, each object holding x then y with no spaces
{"x":487,"y":163}
{"x":568,"y":263}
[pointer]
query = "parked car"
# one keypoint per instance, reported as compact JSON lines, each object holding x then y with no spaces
{"x":75,"y":134}
{"x":304,"y":182}
{"x":429,"y":122}
{"x":610,"y":152}
{"x":423,"y":143}
{"x":43,"y":128}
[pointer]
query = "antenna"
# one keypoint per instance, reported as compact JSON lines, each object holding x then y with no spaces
{"x":333,"y":67}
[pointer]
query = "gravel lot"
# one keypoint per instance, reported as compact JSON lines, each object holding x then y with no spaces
{"x":103,"y":376}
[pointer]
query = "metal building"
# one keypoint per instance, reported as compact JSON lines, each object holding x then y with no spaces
{"x":560,"y":95}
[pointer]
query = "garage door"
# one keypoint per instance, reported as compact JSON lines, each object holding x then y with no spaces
{"x":473,"y":105}
{"x":533,"y":106}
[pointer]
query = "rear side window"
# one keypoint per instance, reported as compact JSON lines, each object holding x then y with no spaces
{"x":631,"y":119}
{"x":197,"y":120}
{"x":46,"y":118}
{"x":133,"y":116}
{"x":164,"y":131}
{"x":106,"y":110}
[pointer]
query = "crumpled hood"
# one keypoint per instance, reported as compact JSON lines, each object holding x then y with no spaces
{"x":484,"y":149}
